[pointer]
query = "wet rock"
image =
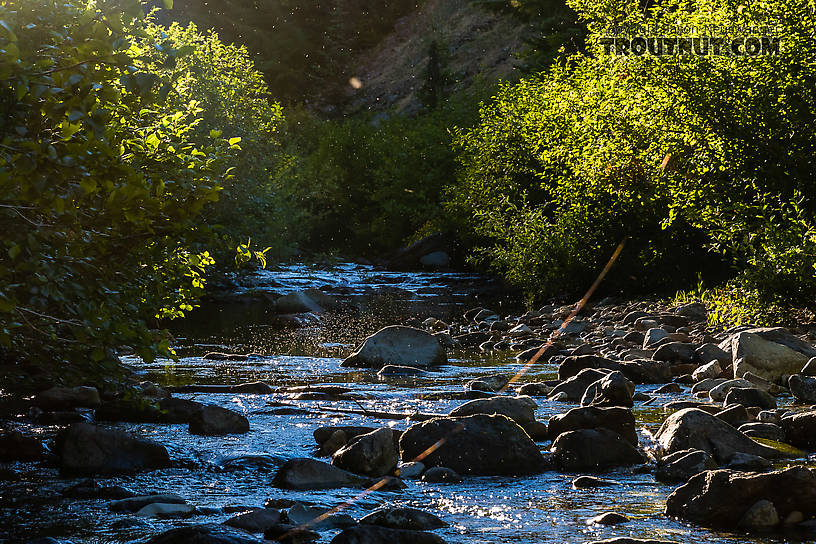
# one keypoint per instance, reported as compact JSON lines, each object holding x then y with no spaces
{"x":88,"y":448}
{"x":709,"y":353}
{"x":436,"y":259}
{"x":219,"y":356}
{"x":519,"y":409}
{"x":800,"y":429}
{"x":403,"y":518}
{"x":750,"y":397}
{"x":706,"y":385}
{"x":628,"y":540}
{"x":307,"y":516}
{"x":372,"y":534}
{"x":611,"y":390}
{"x":646,"y":371}
{"x":573,"y":388}
{"x":89,"y":489}
{"x":309,"y":300}
{"x":587,"y":482}
{"x":770,"y":353}
{"x":290,"y":534}
{"x":653,"y":337}
{"x":719,"y":392}
{"x":60,"y":398}
{"x":250,"y":462}
{"x":411,"y":471}
{"x":548,"y":352}
{"x":747,"y":462}
{"x":397,"y":345}
{"x":304,"y":473}
{"x":593,"y":450}
{"x":492,"y":382}
{"x":471,"y":340}
{"x":398,"y":370}
{"x":441,"y":475}
{"x":608,"y":518}
{"x":134,"y":504}
{"x":205,"y":534}
{"x":682,"y":465}
{"x":762,"y":516}
{"x":803,"y":388}
{"x":619,"y":420}
{"x":735,"y":415}
{"x":253,"y":388}
{"x":535,"y":389}
{"x":722,"y":498}
{"x":14,"y":446}
{"x":214,"y":420}
{"x":166,"y":510}
{"x":669,"y":388}
{"x":372,"y":454}
{"x":695,"y":429}
{"x":477,"y":444}
{"x":810,"y":368}
{"x":675,"y":352}
{"x":573,"y":365}
{"x":708,"y":370}
{"x":255,"y":521}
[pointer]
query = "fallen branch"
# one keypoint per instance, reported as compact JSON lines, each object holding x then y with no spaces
{"x":411,"y":416}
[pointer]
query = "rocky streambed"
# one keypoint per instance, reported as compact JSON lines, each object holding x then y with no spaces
{"x":638,"y":421}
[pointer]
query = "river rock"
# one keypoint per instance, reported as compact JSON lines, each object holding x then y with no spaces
{"x":403,"y":518}
{"x":398,"y":370}
{"x":288,"y":533}
{"x":411,"y":471}
{"x":166,"y":510}
{"x":695,"y":429}
{"x":519,"y":409}
{"x":14,"y":446}
{"x":205,"y":534}
{"x":593,"y":450}
{"x":588,"y":482}
{"x":719,"y":392}
{"x":573,"y":388}
{"x":708,"y":370}
{"x":307,"y":516}
{"x":134,"y":504}
{"x":303,"y":473}
{"x":803,"y":388}
{"x":682,"y":465}
{"x":87,"y":448}
{"x":750,"y":397}
{"x":709,"y":353}
{"x":800,"y":429}
{"x":477,"y":444}
{"x":372,"y":454}
{"x":491,"y":382}
{"x":398,"y":345}
{"x":771,"y":353}
{"x":573,"y":365}
{"x":629,"y":540}
{"x":441,"y":475}
{"x":372,"y":534}
{"x":608,"y":518}
{"x":749,"y":463}
{"x":653,"y":337}
{"x":61,"y":398}
{"x":215,"y":420}
{"x":722,"y":498}
{"x":647,"y":371}
{"x":735,"y":415}
{"x":617,"y":419}
{"x":611,"y":390}
{"x":255,"y":521}
{"x":810,"y":367}
{"x":309,"y":300}
{"x":675,"y":352}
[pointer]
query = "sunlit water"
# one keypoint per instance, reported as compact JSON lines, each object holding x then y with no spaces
{"x":542,"y":508}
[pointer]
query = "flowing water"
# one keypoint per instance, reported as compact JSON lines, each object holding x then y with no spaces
{"x":540,"y":509}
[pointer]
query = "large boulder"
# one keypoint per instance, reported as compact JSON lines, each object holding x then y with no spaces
{"x":682,"y":465}
{"x":303,"y":473}
{"x":619,"y":420}
{"x":255,"y":521}
{"x":771,"y":353}
{"x":398,"y":345}
{"x":214,"y":420}
{"x":477,"y":444}
{"x":675,"y":352}
{"x":573,"y":389}
{"x":61,"y":398}
{"x":373,"y":534}
{"x":593,"y":450}
{"x":611,"y":390}
{"x":87,"y":448}
{"x":803,"y":388}
{"x":403,"y":518}
{"x":574,"y":364}
{"x":721,"y":498}
{"x":750,"y":397}
{"x":205,"y":534}
{"x":519,"y":409}
{"x":310,"y":300}
{"x":372,"y":454}
{"x":694,"y":429}
{"x":800,"y":429}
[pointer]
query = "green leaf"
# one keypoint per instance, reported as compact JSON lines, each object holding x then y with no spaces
{"x":168,"y":4}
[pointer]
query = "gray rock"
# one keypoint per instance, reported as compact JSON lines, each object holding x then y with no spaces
{"x":629,"y":540}
{"x":308,"y":516}
{"x":411,"y":471}
{"x":619,"y":420}
{"x":290,"y":534}
{"x":372,"y":454}
{"x":675,"y":352}
{"x":707,"y":384}
{"x":214,"y":420}
{"x":708,"y":353}
{"x":747,"y":462}
{"x":762,"y":516}
{"x":750,"y":397}
{"x":477,"y":444}
{"x":134,"y":504}
{"x":593,"y":450}
{"x":768,"y":431}
{"x":436,"y":475}
{"x":708,"y":370}
{"x":611,"y":390}
{"x":519,"y":409}
{"x":61,"y":398}
{"x":255,"y":521}
{"x":372,"y":534}
{"x":735,"y":415}
{"x":608,"y":518}
{"x":397,"y":370}
{"x":205,"y":534}
{"x":769,"y":353}
{"x":653,"y":337}
{"x":535,"y":389}
{"x":721,"y":498}
{"x":437,"y":259}
{"x":800,"y":429}
{"x":403,"y":518}
{"x":303,"y":473}
{"x":573,"y":365}
{"x":718,"y":392}
{"x":573,"y":388}
{"x":309,"y":300}
{"x":588,"y":482}
{"x":493,"y":382}
{"x":810,"y":367}
{"x":397,"y":345}
{"x":682,"y":465}
{"x":803,"y":388}
{"x":165,"y":510}
{"x":695,"y":311}
{"x":695,"y":429}
{"x":88,"y":448}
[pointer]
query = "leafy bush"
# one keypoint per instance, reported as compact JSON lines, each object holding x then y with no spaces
{"x":698,"y":160}
{"x":102,"y":183}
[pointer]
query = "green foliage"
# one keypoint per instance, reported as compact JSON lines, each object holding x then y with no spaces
{"x":103,"y":175}
{"x":698,"y":161}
